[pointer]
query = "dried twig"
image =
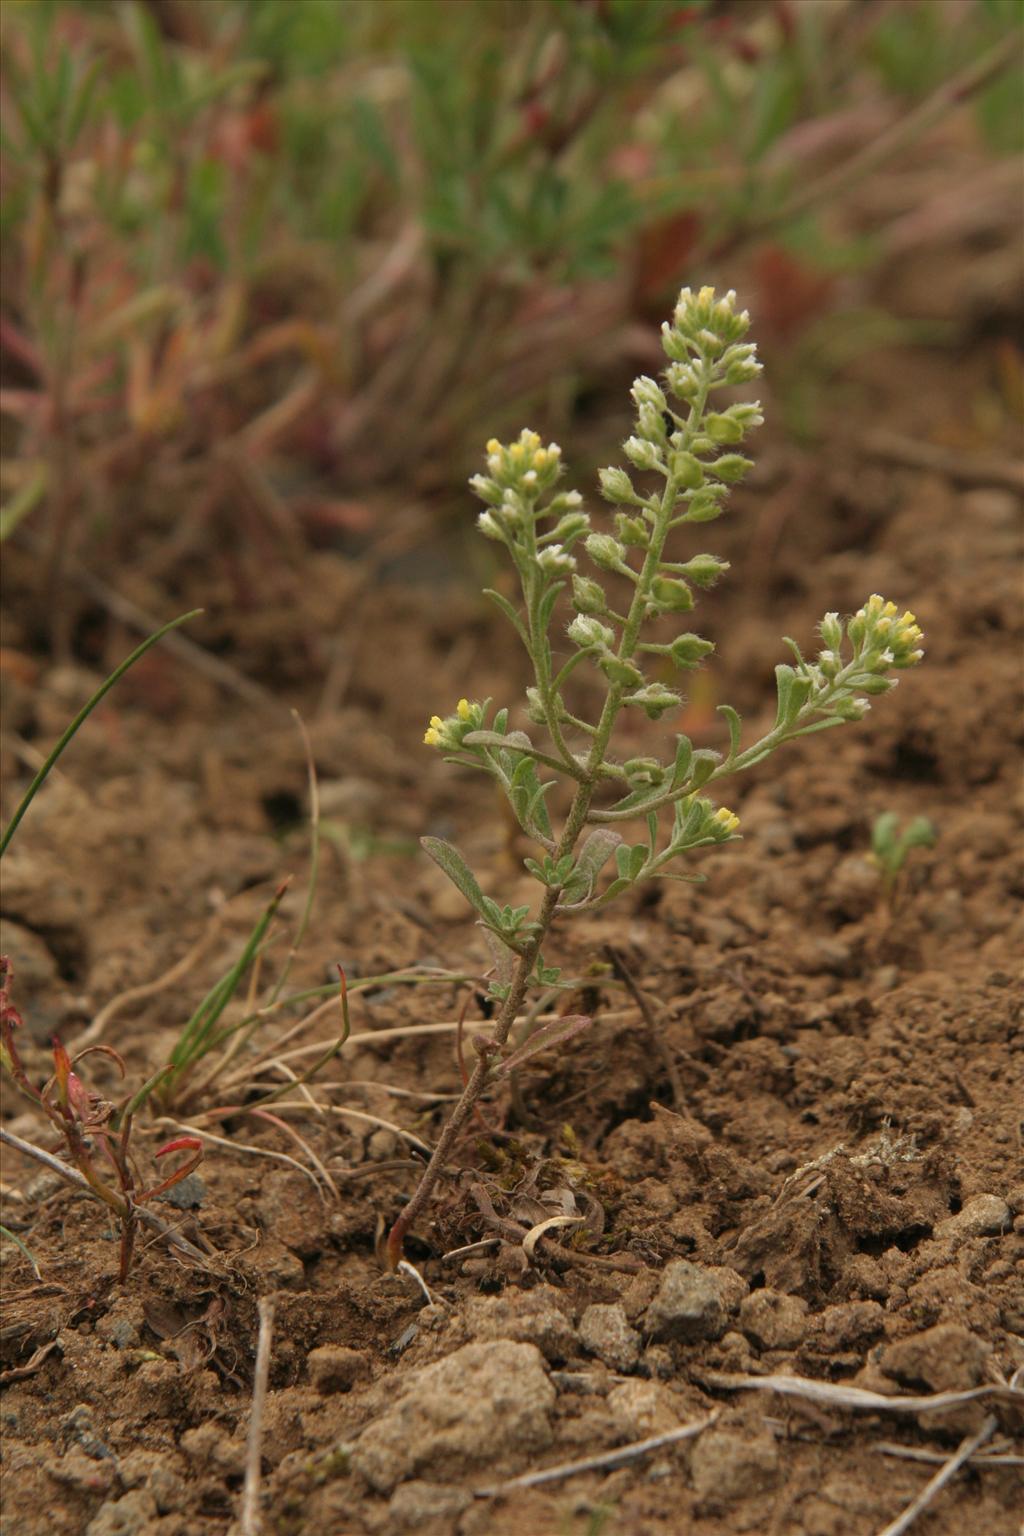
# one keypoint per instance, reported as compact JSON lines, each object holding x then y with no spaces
{"x":251,"y":1522}
{"x":990,"y":1458}
{"x":605,"y":1462}
{"x":945,"y":1474}
{"x":832,"y":1395}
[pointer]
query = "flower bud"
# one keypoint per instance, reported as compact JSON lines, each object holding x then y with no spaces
{"x":632,"y":530}
{"x":706,"y":505}
{"x":831,"y":631}
{"x":682,"y":380}
{"x":641,"y":453}
{"x":723,"y":428}
{"x":646,"y":392}
{"x":689,"y":650}
{"x":654,"y":700}
{"x":617,"y":486}
{"x":731,"y":467}
{"x":588,"y":596}
{"x":589,"y":633}
{"x":687,"y":471}
{"x":491,"y":527}
{"x":674,"y":346}
{"x":605,"y":551}
{"x":487,"y":489}
{"x":705,"y":570}
{"x":622,"y":673}
{"x":571,"y":526}
{"x":535,"y":707}
{"x":553,"y":560}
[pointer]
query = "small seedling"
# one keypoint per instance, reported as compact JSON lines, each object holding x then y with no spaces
{"x":688,"y":452}
{"x":95,"y":1135}
{"x":890,"y":847}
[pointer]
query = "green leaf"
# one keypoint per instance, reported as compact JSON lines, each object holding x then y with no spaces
{"x":593,"y":856}
{"x":920,"y":834}
{"x":793,"y":691}
{"x":684,"y":757}
{"x":497,"y":739}
{"x":450,"y":860}
{"x":735,"y":726}
{"x":883,"y":835}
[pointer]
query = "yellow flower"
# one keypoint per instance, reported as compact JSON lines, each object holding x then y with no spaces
{"x":493,"y":446}
{"x":431,"y":737}
{"x":706,"y":296}
{"x":540,"y":458}
{"x":462,"y":709}
{"x":726,"y":818}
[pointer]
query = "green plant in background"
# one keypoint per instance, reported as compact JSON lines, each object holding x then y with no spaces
{"x":688,"y":450}
{"x":890,"y":847}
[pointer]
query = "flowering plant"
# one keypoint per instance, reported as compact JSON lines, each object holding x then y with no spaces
{"x":690,"y":452}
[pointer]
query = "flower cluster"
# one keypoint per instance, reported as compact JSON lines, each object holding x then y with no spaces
{"x":883,"y":640}
{"x":448,"y":733}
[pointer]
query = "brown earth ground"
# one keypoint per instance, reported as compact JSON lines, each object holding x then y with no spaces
{"x":818,"y":1109}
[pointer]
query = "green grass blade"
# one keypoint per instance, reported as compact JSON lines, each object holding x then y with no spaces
{"x":80,"y":719}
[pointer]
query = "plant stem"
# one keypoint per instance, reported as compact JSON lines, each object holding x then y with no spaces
{"x":488,"y":1049}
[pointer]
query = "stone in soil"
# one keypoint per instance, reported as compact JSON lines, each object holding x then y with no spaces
{"x":726,"y":1465}
{"x":772,"y":1320}
{"x":692,"y":1302}
{"x":418,"y":1504}
{"x":529,"y":1317}
{"x":335,"y":1368}
{"x":606,"y":1333}
{"x":479,"y":1407}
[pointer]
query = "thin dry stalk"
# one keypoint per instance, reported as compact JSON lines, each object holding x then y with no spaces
{"x":831,"y":1395}
{"x":990,"y":1458}
{"x":251,"y":1522}
{"x":945,"y":1474}
{"x":605,"y":1462}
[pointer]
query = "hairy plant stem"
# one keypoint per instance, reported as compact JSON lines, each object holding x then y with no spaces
{"x":575,"y":822}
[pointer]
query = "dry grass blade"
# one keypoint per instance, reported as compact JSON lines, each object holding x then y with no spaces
{"x":336,"y":1109}
{"x":251,"y":1522}
{"x":263,"y":1114}
{"x":605,"y":1462}
{"x":990,"y":1458}
{"x":830,"y":1395}
{"x":945,"y":1474}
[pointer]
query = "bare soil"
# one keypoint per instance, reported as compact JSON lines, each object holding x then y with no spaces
{"x":820,"y":1113}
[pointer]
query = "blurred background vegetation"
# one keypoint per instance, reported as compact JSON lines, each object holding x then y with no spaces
{"x":272,"y":267}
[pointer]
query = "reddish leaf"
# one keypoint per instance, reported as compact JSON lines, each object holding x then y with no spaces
{"x":179,"y":1144}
